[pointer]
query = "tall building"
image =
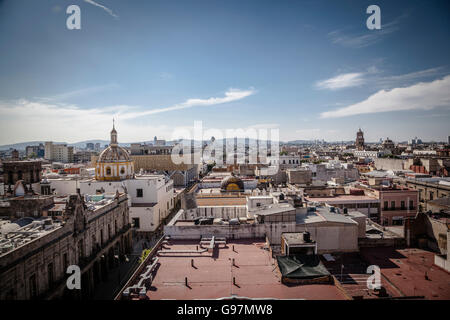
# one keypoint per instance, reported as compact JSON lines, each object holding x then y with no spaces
{"x":58,"y":152}
{"x":359,"y":140}
{"x":35,"y":151}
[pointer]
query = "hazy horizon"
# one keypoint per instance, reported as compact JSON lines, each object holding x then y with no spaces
{"x":312,"y":69}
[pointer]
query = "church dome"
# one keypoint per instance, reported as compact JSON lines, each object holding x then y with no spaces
{"x":232,"y":183}
{"x":114,"y":163}
{"x":113,"y":154}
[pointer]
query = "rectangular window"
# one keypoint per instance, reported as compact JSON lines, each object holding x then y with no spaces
{"x":392,"y":205}
{"x":50,"y":275}
{"x":411,"y":204}
{"x":386,"y":205}
{"x":33,"y":286}
{"x":65,"y":262}
{"x":136,"y":223}
{"x":139,"y":193}
{"x":402,"y":204}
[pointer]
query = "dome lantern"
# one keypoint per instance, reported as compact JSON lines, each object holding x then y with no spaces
{"x":113,"y":136}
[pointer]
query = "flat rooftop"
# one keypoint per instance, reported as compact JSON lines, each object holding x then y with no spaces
{"x":211,"y":277}
{"x":342,"y":198}
{"x":411,"y":271}
{"x":221,"y":201}
{"x":353,"y":277}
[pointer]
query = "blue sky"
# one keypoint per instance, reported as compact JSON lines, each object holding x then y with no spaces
{"x":310,"y":68}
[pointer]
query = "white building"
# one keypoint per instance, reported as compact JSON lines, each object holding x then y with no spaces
{"x":285,"y":161}
{"x":151,"y":197}
{"x":334,"y":169}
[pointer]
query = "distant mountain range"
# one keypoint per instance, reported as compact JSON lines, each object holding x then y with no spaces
{"x":82,"y":144}
{"x":79,"y":145}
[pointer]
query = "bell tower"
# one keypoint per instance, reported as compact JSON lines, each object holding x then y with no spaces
{"x":359,"y":140}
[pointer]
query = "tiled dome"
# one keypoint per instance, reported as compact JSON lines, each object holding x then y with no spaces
{"x":114,"y":154}
{"x":232,"y":183}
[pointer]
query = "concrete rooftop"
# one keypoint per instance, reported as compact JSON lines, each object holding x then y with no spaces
{"x":212,"y":275}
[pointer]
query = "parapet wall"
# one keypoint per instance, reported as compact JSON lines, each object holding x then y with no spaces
{"x":330,"y":237}
{"x":244,"y":231}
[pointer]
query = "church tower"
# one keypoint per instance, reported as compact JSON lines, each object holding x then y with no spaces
{"x":359,"y":140}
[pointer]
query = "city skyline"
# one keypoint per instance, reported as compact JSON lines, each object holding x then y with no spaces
{"x":311,"y":69}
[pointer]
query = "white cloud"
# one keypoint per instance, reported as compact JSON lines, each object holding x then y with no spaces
{"x":410,"y":77}
{"x":420,"y":96}
{"x":79,"y":92}
{"x":372,"y":77}
{"x":25,"y":120}
{"x":367,"y":38}
{"x":230,"y":96}
{"x":109,"y":11}
{"x":341,"y":81}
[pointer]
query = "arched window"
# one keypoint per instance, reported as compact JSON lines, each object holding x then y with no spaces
{"x":122,"y":170}
{"x":108,"y":171}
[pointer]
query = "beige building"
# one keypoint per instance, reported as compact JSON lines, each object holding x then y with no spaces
{"x":37,"y":251}
{"x":58,"y":152}
{"x":428,"y":189}
{"x":299,"y":176}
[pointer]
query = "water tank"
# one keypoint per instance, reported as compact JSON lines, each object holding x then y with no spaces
{"x":306,"y":236}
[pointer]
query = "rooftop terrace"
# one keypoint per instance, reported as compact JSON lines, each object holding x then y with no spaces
{"x":210,"y":275}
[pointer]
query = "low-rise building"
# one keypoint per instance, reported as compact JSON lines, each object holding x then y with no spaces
{"x":396,"y":203}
